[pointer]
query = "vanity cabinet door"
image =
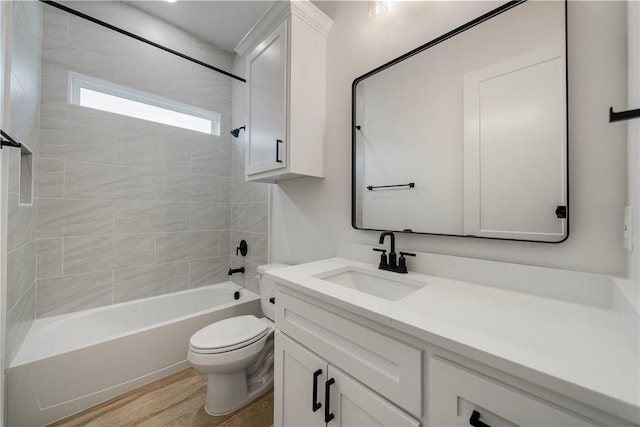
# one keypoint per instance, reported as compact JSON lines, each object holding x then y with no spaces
{"x":460,"y":397}
{"x":354,"y":405}
{"x":300,"y":377}
{"x":266,"y":132}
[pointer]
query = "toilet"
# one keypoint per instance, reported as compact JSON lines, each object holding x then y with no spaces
{"x":237,"y":354}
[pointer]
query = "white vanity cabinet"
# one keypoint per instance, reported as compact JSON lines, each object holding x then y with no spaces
{"x":286,"y":92}
{"x":314,"y":350}
{"x":364,"y":372}
{"x":313,"y":392}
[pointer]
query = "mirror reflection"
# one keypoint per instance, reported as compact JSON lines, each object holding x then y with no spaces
{"x":468,"y":135}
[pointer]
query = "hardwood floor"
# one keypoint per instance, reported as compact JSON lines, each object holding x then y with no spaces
{"x":173,"y":401}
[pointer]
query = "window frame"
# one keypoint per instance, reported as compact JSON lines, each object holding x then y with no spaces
{"x":78,"y":81}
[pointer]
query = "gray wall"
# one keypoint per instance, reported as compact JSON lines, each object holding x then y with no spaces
{"x":310,"y":216}
{"x":24,"y":126}
{"x":129,"y":209}
{"x":633,"y":137}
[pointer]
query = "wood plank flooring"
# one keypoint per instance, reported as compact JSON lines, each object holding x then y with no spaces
{"x":173,"y":401}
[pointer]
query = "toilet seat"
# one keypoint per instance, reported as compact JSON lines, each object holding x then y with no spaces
{"x":228,"y":335}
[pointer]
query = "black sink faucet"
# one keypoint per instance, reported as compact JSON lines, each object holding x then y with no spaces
{"x":392,"y":249}
{"x":389,"y":263}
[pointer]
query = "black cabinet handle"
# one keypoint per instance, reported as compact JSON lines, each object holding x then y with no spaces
{"x":328,"y":415}
{"x":272,"y":300}
{"x":315,"y":405}
{"x":278,"y":142}
{"x":474,"y":420}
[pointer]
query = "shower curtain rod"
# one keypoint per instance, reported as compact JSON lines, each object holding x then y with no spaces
{"x":137,"y":37}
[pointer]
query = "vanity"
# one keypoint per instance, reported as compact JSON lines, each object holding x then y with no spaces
{"x":359,"y":346}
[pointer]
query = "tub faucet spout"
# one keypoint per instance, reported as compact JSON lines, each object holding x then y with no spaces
{"x":236,"y":270}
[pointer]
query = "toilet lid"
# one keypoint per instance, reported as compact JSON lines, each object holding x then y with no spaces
{"x":228,"y":332}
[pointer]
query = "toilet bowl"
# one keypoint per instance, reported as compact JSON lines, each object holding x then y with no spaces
{"x":237,"y":354}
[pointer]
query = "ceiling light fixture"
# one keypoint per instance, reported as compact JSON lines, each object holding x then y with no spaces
{"x":378,"y":9}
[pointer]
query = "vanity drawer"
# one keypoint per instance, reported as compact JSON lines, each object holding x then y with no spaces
{"x":391,"y":368}
{"x":455,"y":393}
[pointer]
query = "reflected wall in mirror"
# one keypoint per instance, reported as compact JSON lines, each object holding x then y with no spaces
{"x":476,"y":122}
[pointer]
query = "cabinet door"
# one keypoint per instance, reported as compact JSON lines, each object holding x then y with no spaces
{"x":266,"y":132}
{"x":297,"y":370}
{"x":354,"y":405}
{"x":456,"y":395}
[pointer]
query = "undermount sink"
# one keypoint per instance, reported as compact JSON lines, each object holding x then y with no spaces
{"x":381,"y":284}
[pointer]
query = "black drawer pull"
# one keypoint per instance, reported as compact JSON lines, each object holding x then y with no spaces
{"x":272,"y":300}
{"x":315,"y":405}
{"x":278,"y":142}
{"x":328,"y":415}
{"x":475,"y":420}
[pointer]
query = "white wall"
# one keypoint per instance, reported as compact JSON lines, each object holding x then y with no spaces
{"x":310,"y":216}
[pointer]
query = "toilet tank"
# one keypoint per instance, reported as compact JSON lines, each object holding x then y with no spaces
{"x":268,"y":289}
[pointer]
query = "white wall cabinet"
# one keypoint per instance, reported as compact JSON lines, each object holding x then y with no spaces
{"x":265,"y":150}
{"x":286,"y":92}
{"x":312,"y":392}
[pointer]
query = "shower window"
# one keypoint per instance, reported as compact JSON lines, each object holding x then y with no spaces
{"x":102,"y":95}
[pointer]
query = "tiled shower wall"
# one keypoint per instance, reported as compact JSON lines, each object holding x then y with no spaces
{"x":22,"y":125}
{"x":129,"y":208}
{"x":249,"y":200}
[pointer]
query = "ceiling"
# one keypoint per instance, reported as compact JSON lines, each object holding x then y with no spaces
{"x":220,"y":22}
{"x":223,"y":23}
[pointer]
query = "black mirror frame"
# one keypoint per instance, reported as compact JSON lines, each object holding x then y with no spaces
{"x":497,"y":11}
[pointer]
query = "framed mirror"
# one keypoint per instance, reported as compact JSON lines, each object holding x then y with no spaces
{"x":467,"y":134}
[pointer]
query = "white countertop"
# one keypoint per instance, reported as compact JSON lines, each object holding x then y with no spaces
{"x":571,"y":348}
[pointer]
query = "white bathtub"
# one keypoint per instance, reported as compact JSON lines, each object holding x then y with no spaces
{"x":71,"y":362}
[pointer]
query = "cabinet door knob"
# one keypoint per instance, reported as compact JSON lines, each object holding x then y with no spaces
{"x":315,"y":405}
{"x":328,"y":415}
{"x":278,"y":142}
{"x":474,"y":420}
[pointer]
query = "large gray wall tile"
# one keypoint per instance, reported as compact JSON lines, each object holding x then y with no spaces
{"x":60,"y":218}
{"x":203,"y":188}
{"x":50,"y":178}
{"x":210,"y":216}
{"x":209,"y":160}
{"x":19,"y":320}
{"x":53,"y":99}
{"x":54,"y":25}
{"x":58,"y":58}
{"x":171,"y":247}
{"x":253,"y":217}
{"x":208,"y":271}
{"x":73,"y":293}
{"x":21,"y":272}
{"x":49,"y":258}
{"x":102,"y":253}
{"x":75,"y":141}
{"x":20,"y":223}
{"x":150,"y":216}
{"x":88,"y":36}
{"x":131,"y":250}
{"x":142,"y":282}
{"x":87,"y":254}
{"x":92,"y":181}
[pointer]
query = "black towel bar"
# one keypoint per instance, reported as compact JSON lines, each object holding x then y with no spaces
{"x":623,"y":115}
{"x":8,"y":141}
{"x":410,"y":185}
